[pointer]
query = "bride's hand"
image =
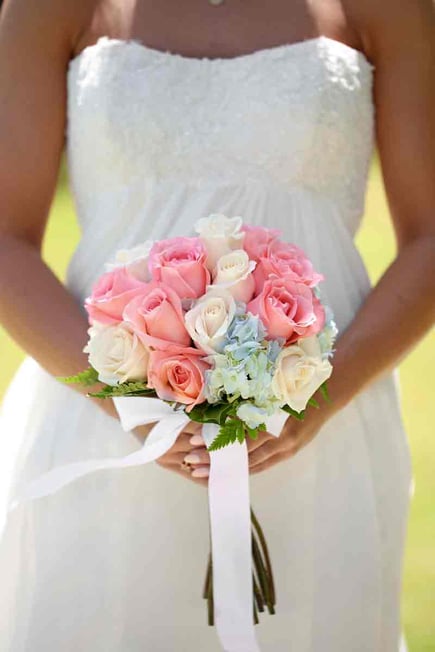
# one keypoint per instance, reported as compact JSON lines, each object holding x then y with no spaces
{"x":295,"y":435}
{"x":263,"y":452}
{"x":188,"y":442}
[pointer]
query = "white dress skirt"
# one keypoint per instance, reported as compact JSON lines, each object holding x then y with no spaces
{"x":115,"y":561}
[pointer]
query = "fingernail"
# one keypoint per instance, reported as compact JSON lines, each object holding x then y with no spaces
{"x":191,"y":458}
{"x":197,"y":440}
{"x":202,"y":472}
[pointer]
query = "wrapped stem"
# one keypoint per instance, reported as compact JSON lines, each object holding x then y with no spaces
{"x":208,"y":578}
{"x":257,"y":594}
{"x":256,"y":621}
{"x":265,"y":550}
{"x":262,"y":575}
{"x":262,"y":578}
{"x":210,"y":603}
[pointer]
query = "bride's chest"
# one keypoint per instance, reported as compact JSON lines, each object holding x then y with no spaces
{"x":301,"y":113}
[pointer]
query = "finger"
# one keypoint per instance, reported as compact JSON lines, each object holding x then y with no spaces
{"x":262,"y":438}
{"x":201,"y":472}
{"x":271,"y":461}
{"x":192,"y":428}
{"x":263,"y":453}
{"x":203,"y":481}
{"x":182,"y":444}
{"x":197,"y":458}
{"x":176,"y":468}
{"x":197,"y":440}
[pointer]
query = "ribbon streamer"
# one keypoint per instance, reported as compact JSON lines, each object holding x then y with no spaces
{"x":229,"y":506}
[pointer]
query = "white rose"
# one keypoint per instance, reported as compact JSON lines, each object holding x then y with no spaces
{"x":300,"y":370}
{"x":208,"y":321}
{"x":117,"y":354}
{"x":233,"y":272}
{"x":219,"y":235}
{"x":135,"y":260}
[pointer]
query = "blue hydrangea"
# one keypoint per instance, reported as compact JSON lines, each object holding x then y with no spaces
{"x":245,"y":335}
{"x":245,"y":367}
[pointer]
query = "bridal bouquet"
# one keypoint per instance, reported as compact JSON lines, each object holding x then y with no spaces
{"x":227,"y":327}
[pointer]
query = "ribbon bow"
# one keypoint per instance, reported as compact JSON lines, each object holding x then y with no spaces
{"x":229,"y":506}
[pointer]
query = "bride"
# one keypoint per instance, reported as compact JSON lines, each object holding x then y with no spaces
{"x":170,"y":111}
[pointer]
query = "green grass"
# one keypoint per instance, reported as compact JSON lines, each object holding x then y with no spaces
{"x":376,"y":243}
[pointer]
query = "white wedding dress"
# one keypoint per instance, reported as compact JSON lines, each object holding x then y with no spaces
{"x":115,"y":561}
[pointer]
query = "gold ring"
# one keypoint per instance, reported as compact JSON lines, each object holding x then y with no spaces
{"x":186,"y":466}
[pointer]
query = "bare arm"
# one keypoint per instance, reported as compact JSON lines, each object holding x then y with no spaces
{"x":400,"y":37}
{"x":400,"y":40}
{"x":36,"y":309}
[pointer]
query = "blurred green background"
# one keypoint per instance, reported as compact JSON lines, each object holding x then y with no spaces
{"x":417,"y":373}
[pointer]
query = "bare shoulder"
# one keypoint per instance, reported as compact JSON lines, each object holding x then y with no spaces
{"x":36,"y":40}
{"x":43,"y":25}
{"x":393,"y":27}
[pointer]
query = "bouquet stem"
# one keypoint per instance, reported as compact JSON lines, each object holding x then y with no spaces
{"x":265,"y":551}
{"x":262,"y":576}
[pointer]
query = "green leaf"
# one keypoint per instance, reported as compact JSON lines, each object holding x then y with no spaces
{"x":216,"y":413}
{"x":312,"y":401}
{"x":222,"y":439}
{"x":241,"y":434}
{"x":87,"y":377}
{"x":233,"y":430}
{"x":253,"y":432}
{"x":324,"y":389}
{"x":197,"y":412}
{"x":297,"y":415}
{"x":125,"y":389}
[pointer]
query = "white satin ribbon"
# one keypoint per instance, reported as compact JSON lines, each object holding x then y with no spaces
{"x":229,"y":505}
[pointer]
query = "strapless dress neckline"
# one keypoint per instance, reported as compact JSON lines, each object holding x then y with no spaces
{"x":295,"y":47}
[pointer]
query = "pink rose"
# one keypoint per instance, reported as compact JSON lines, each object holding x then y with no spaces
{"x":111,"y":293}
{"x":156,"y":317}
{"x":288,"y":309}
{"x":285,"y":260}
{"x":257,"y":240}
{"x":180,"y":263}
{"x":178,"y":376}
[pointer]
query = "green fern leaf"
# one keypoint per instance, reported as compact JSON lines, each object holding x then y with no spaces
{"x":125,"y":389}
{"x":233,"y":430}
{"x":87,"y":377}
